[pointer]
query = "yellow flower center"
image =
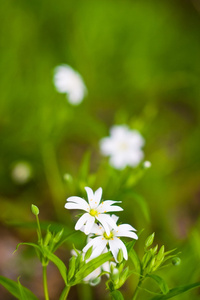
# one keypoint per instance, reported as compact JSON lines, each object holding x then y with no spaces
{"x":108,"y":237}
{"x":93,"y":212}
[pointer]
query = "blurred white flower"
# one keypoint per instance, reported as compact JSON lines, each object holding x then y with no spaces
{"x":94,"y":210}
{"x":123,"y":146}
{"x":21,"y":172}
{"x":102,"y":240}
{"x":68,"y":81}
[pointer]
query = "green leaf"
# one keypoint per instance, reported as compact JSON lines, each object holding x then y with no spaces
{"x":116,"y":295}
{"x":135,"y":260}
{"x":91,"y":266}
{"x":85,"y":165}
{"x":64,"y":239}
{"x":29,"y":244}
{"x":177,"y":291}
{"x":58,"y":262}
{"x":16,"y":290}
{"x":161,"y":283}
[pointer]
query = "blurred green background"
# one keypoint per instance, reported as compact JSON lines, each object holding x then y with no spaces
{"x":140,"y":62}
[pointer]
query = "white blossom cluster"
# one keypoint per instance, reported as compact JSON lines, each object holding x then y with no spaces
{"x":103,"y":232}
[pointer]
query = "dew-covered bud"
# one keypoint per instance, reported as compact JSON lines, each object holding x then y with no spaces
{"x":35,"y":209}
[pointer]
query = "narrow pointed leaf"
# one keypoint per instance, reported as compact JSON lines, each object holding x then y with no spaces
{"x":91,"y":266}
{"x":20,"y":292}
{"x":177,"y":291}
{"x":135,"y":260}
{"x":59,"y":264}
{"x":29,"y":244}
{"x":160,"y":282}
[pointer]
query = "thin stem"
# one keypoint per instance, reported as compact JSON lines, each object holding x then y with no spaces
{"x":137,"y":289}
{"x":53,"y":175}
{"x":46,"y":293}
{"x":39,"y":229}
{"x":65,"y":293}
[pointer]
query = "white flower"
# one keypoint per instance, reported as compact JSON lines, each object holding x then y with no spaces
{"x":112,"y":242}
{"x":68,"y":81}
{"x":123,"y":146}
{"x":21,"y":172}
{"x":94,"y":210}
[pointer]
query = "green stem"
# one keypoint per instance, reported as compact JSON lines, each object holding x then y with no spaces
{"x":53,"y":175}
{"x":39,"y":229}
{"x":65,"y":293}
{"x":46,"y":294}
{"x":137,"y":288}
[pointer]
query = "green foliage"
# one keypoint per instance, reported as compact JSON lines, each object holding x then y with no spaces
{"x":177,"y":291}
{"x":16,"y":289}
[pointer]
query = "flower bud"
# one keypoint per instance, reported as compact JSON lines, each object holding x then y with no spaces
{"x":120,"y":256}
{"x":176,"y":261}
{"x":161,"y":253}
{"x":88,"y":253}
{"x":123,"y":277}
{"x":146,"y":258}
{"x":95,"y":281}
{"x":47,"y":238}
{"x":71,"y":271}
{"x":58,"y":236}
{"x":35,"y":209}
{"x":149,"y":240}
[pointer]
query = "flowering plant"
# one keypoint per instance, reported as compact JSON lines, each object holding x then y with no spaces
{"x":103,"y":254}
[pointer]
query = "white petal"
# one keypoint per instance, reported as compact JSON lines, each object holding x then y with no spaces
{"x":102,"y":219}
{"x":89,"y":225}
{"x":117,"y":244}
{"x":125,"y":227}
{"x":73,"y":206}
{"x":97,"y":229}
{"x":118,"y":161}
{"x":130,"y":234}
{"x":94,"y":242}
{"x":81,"y":202}
{"x":114,"y":248}
{"x":107,"y":222}
{"x":83,"y":219}
{"x":97,"y":196}
{"x":98,"y":250}
{"x":134,"y":157}
{"x":107,"y":146}
{"x":107,"y":207}
{"x":90,"y":196}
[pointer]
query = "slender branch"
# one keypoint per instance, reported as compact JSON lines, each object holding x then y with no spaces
{"x":65,"y":293}
{"x":46,"y":293}
{"x":39,"y":230}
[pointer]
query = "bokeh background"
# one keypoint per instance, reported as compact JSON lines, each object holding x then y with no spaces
{"x":140,"y":62}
